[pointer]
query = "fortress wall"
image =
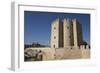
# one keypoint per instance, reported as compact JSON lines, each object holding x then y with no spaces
{"x":73,"y":52}
{"x":85,"y":51}
{"x":81,"y":52}
{"x":68,"y":53}
{"x":48,"y":53}
{"x":59,"y":53}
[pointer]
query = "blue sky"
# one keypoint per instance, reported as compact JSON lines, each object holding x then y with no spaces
{"x":37,"y":25}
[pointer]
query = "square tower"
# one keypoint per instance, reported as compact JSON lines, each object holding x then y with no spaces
{"x":77,"y":33}
{"x":67,"y":32}
{"x":57,"y":34}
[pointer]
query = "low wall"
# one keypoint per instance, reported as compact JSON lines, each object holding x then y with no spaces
{"x":73,"y":53}
{"x":64,"y":53}
{"x":48,"y":53}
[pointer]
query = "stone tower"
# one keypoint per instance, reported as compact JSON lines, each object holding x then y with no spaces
{"x":77,"y":33}
{"x":57,"y":34}
{"x":67,"y":33}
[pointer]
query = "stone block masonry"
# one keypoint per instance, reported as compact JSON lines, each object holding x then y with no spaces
{"x":66,"y":43}
{"x":81,"y":52}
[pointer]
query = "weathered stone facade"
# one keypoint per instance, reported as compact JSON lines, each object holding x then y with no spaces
{"x":81,"y":52}
{"x":66,"y":42}
{"x":66,"y":33}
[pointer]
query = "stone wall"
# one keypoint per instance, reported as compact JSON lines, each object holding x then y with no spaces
{"x":81,"y":52}
{"x":48,"y":53}
{"x":73,"y":52}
